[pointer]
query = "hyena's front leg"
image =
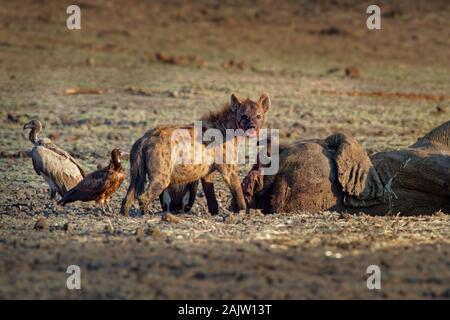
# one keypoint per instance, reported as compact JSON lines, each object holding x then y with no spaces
{"x":231,"y":178}
{"x":208,"y":189}
{"x":251,"y":185}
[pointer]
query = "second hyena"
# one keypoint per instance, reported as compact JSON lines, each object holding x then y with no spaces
{"x":179,"y":198}
{"x":151,"y":157}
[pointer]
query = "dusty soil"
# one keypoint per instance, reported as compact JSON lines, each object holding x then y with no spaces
{"x":137,"y":64}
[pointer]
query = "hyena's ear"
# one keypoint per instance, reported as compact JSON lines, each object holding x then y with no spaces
{"x":264,"y":101}
{"x":235,"y":103}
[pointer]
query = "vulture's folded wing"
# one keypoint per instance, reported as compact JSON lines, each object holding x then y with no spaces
{"x":54,"y":148}
{"x":56,"y":167}
{"x":89,"y":188}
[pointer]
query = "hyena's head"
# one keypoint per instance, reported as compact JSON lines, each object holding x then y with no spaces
{"x":249,"y":115}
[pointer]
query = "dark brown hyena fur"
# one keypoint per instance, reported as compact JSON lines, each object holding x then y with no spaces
{"x":152,"y":160}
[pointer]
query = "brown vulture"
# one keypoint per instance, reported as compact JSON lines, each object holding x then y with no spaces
{"x":58,"y":168}
{"x":99,"y":185}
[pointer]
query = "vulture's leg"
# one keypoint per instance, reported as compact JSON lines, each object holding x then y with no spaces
{"x":53,"y":197}
{"x":109,"y":208}
{"x":102,"y":205}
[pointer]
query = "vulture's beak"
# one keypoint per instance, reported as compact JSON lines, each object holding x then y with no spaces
{"x":28,"y":126}
{"x":125,"y":155}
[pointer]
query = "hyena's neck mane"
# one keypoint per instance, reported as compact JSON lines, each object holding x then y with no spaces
{"x":222,"y":119}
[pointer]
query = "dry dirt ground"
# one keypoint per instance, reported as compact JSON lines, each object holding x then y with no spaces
{"x":137,"y":64}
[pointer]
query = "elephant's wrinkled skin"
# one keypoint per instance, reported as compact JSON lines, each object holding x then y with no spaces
{"x":337,"y":174}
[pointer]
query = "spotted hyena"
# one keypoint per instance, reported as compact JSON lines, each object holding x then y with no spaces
{"x":152,"y":156}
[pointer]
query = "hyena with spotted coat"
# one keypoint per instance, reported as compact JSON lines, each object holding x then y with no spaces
{"x":151,"y":157}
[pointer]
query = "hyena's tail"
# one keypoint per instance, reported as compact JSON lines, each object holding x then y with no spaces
{"x":138,"y":174}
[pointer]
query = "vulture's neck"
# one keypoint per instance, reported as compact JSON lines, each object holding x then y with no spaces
{"x":115,"y":161}
{"x":34,"y":135}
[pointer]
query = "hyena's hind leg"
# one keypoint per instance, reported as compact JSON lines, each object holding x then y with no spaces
{"x":158,"y":174}
{"x":156,"y":186}
{"x":133,"y":193}
{"x":128,"y":200}
{"x":138,"y":175}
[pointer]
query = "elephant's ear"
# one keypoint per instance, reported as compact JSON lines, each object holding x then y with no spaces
{"x":355,"y":171}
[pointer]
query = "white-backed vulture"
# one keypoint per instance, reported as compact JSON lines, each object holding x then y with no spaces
{"x":99,"y":185}
{"x":56,"y":166}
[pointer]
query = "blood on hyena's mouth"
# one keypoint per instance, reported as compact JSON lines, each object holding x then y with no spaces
{"x":251,"y":133}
